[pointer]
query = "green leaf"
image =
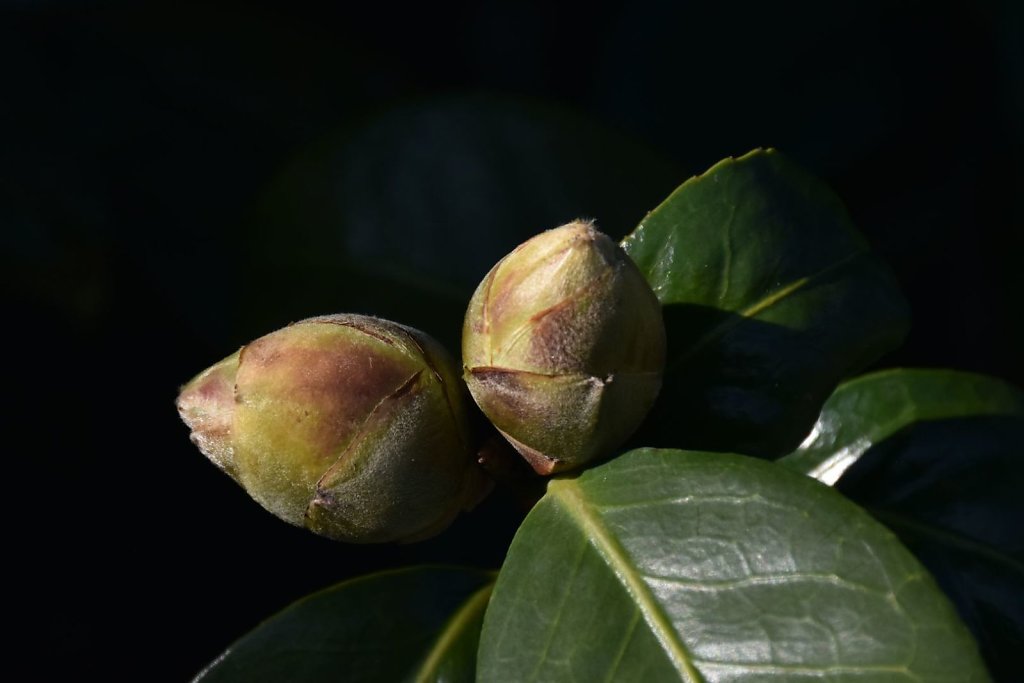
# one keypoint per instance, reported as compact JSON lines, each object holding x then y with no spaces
{"x":419,"y":624}
{"x":672,"y":565}
{"x":873,"y":407}
{"x":770,"y":297}
{"x":937,"y":456}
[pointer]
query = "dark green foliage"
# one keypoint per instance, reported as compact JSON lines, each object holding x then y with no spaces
{"x":701,"y":564}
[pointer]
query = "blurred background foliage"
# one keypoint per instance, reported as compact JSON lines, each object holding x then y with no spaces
{"x":181,"y":177}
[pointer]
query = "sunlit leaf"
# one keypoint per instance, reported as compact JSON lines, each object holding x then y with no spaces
{"x":674,"y":565}
{"x":938,"y":456}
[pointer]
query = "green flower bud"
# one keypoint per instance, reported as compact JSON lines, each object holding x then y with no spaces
{"x":564,"y":346}
{"x":351,"y":426}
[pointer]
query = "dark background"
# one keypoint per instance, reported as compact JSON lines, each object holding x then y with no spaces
{"x":178,"y":178}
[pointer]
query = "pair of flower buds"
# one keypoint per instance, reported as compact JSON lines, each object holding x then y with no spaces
{"x":357,"y":428}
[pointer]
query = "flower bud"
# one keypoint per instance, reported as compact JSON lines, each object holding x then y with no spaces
{"x":351,"y":426}
{"x":564,"y":347}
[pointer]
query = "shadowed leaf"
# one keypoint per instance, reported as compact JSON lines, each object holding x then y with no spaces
{"x":937,"y":456}
{"x":770,"y":298}
{"x":420,"y":624}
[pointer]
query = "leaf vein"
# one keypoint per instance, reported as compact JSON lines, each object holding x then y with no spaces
{"x":772,"y":668}
{"x":458,"y":621}
{"x":767,"y":580}
{"x":553,"y":628}
{"x":759,"y":307}
{"x":753,"y":499}
{"x":569,"y":496}
{"x":627,"y":637}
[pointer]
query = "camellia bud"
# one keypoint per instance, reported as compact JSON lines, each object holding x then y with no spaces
{"x":564,"y":346}
{"x":351,"y":426}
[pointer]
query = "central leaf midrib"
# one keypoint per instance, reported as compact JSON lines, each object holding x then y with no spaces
{"x":451,"y":631}
{"x":753,"y":310}
{"x":568,"y":495}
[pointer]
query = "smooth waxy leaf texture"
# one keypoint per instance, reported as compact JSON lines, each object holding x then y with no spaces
{"x":874,"y":407}
{"x":770,"y":298}
{"x":937,"y":456}
{"x":420,"y":624}
{"x":675,"y":565}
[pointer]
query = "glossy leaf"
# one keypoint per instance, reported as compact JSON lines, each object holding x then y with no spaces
{"x":770,"y":298}
{"x":673,"y":565}
{"x":420,"y":624}
{"x":871,"y":408}
{"x":938,"y":456}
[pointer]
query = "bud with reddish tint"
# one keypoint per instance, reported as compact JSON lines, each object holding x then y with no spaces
{"x":351,"y":426}
{"x":564,"y":347}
